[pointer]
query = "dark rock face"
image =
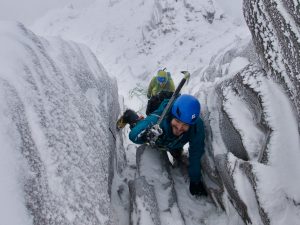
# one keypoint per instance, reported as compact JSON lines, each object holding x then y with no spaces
{"x":248,"y":145}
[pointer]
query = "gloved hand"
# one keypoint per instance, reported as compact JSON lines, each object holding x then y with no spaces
{"x":197,"y":189}
{"x":151,"y":134}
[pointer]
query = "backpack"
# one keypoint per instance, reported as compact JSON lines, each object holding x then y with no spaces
{"x":155,"y":101}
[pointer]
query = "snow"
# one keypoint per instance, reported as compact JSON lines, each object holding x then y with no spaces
{"x":243,"y":120}
{"x":237,"y":64}
{"x":64,"y":162}
{"x":54,"y":94}
{"x":246,"y":192}
{"x":285,"y":151}
{"x":11,"y":167}
{"x":156,"y":174}
{"x":134,"y":39}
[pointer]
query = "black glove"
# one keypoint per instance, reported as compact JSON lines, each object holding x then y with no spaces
{"x":197,"y":189}
{"x":151,"y":134}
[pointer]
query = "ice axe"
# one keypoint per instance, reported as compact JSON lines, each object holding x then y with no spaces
{"x":174,"y":96}
{"x":156,"y":127}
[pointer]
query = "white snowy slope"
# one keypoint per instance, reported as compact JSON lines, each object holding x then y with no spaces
{"x":56,"y":117}
{"x":159,"y":194}
{"x":58,"y":157}
{"x":133,"y":38}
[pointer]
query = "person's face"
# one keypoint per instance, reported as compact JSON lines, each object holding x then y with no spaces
{"x":179,"y":127}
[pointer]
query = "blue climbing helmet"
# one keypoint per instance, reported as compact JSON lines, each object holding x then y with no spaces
{"x":186,"y":108}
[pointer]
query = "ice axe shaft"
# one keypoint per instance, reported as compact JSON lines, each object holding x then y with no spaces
{"x":171,"y":158}
{"x":174,"y":96}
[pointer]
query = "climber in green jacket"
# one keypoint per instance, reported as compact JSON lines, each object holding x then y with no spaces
{"x":161,"y":87}
{"x":161,"y":82}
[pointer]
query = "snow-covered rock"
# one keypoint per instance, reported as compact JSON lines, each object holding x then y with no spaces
{"x":249,"y":92}
{"x":274,"y":26}
{"x":133,"y":38}
{"x":57,"y":113}
{"x":159,"y":193}
{"x":252,"y":119}
{"x":153,"y":197}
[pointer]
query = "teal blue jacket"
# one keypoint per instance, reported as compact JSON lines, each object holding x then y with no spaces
{"x":194,"y":136}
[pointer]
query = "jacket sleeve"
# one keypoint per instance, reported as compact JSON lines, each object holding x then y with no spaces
{"x":150,"y":87}
{"x":196,"y":151}
{"x":135,"y":133}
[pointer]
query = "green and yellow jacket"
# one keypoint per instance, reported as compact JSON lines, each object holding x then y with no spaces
{"x":154,"y":87}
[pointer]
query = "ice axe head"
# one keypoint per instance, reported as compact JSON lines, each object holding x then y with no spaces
{"x":187,"y":75}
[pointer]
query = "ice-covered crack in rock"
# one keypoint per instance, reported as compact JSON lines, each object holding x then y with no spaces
{"x":153,"y":197}
{"x":58,"y":108}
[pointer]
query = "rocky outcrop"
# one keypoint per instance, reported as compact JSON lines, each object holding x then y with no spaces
{"x":60,"y":106}
{"x":274,"y":26}
{"x":252,"y":119}
{"x":153,"y":199}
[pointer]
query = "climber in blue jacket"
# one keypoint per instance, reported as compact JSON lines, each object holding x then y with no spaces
{"x":181,"y":125}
